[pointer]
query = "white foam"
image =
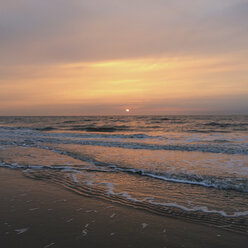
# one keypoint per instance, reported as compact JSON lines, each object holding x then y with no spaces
{"x":144,"y":225}
{"x":200,"y":208}
{"x":219,"y":183}
{"x":110,"y":191}
{"x":22,"y":230}
{"x":74,"y":178}
{"x":113,"y":215}
{"x":33,"y":209}
{"x":85,"y":232}
{"x":91,"y":211}
{"x":51,"y":244}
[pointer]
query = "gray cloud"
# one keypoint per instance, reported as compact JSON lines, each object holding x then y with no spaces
{"x":67,"y":31}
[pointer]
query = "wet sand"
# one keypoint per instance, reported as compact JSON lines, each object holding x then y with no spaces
{"x":38,"y":214}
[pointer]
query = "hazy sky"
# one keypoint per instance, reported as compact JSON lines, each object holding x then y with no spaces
{"x":81,"y":57}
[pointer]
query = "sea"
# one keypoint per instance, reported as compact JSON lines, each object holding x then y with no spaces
{"x":193,"y":168}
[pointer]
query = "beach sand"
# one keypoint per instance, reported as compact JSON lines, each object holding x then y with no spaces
{"x":38,"y":214}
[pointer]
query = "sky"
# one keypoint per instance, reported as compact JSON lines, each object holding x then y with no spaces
{"x":100,"y":57}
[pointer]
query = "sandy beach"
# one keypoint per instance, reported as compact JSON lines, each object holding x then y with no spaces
{"x":38,"y":214}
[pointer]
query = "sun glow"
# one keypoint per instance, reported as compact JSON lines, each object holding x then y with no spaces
{"x":135,"y":82}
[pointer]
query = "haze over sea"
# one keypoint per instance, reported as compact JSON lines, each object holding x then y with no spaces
{"x":190,"y":167}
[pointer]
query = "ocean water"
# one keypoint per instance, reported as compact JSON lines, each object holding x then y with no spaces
{"x":189,"y":167}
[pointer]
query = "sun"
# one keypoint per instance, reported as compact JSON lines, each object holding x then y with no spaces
{"x":127,"y":110}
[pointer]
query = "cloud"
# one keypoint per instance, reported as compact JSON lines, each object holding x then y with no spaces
{"x":96,"y":56}
{"x":61,"y":31}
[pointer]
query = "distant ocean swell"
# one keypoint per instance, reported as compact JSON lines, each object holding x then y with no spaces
{"x":34,"y":139}
{"x":121,"y":125}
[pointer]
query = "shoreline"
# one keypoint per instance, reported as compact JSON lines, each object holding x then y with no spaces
{"x":34,"y":213}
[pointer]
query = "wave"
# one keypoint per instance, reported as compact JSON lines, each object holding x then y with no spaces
{"x":196,"y":148}
{"x":99,"y":129}
{"x":46,"y":129}
{"x":204,"y":209}
{"x":207,"y":131}
{"x":233,"y":183}
{"x":68,"y":134}
{"x":217,"y":124}
{"x":237,"y":184}
{"x":210,"y":181}
{"x":225,"y":125}
{"x":110,"y":190}
{"x":70,"y":179}
{"x":78,"y":139}
{"x":111,"y":136}
{"x":13,"y":128}
{"x":68,"y":122}
{"x":161,"y":119}
{"x":142,"y":136}
{"x":221,"y":141}
{"x":87,"y":128}
{"x":201,"y":209}
{"x":74,"y":169}
{"x":234,"y":221}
